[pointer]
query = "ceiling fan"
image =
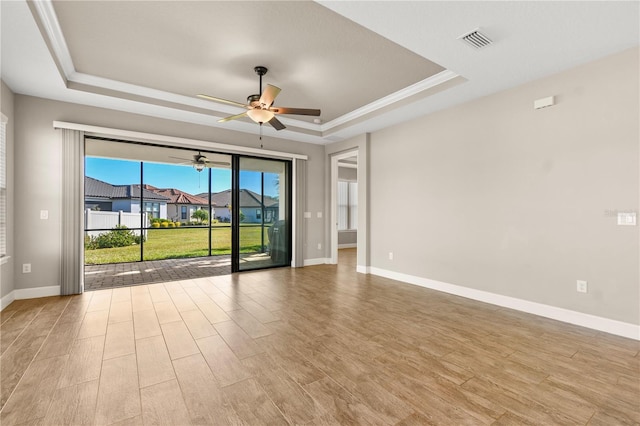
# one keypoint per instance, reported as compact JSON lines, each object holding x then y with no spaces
{"x":260,"y":107}
{"x":200,"y":161}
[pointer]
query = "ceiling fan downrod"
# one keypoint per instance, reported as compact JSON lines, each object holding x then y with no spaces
{"x":260,"y":70}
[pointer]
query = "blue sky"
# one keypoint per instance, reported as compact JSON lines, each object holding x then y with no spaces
{"x":184,"y":178}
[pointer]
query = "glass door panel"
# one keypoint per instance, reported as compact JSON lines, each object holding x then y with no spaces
{"x":112,"y":224}
{"x":264,"y":213}
{"x":221,"y":201}
{"x":176,"y":207}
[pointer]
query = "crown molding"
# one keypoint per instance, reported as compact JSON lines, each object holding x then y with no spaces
{"x":428,"y":83}
{"x":47,"y":20}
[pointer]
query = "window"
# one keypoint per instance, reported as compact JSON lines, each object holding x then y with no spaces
{"x":353,"y":205}
{"x":258,"y":214}
{"x":3,"y":186}
{"x":183,"y":213}
{"x":153,"y":209}
{"x":347,"y":205}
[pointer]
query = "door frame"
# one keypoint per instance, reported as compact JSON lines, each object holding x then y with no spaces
{"x":335,"y":159}
{"x":288,"y":181}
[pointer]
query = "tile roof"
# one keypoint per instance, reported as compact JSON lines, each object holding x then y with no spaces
{"x":180,"y":197}
{"x":247,"y":199}
{"x":99,"y":189}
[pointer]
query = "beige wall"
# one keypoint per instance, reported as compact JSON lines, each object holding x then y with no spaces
{"x":496,"y":196}
{"x":6,"y":270}
{"x":38,"y":179}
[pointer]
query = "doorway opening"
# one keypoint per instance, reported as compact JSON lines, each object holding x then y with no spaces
{"x":344,"y":208}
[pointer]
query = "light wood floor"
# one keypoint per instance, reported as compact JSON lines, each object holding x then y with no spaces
{"x":318,"y":345}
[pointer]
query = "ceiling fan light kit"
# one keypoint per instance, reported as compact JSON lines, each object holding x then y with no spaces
{"x":260,"y":107}
{"x":260,"y":115}
{"x":200,"y":162}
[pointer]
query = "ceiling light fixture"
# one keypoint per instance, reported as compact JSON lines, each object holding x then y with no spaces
{"x":199,"y":166}
{"x":260,"y":115}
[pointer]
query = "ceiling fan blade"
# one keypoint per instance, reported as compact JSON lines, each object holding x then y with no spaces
{"x":217,"y":163}
{"x":224,"y":101}
{"x":268,"y":95}
{"x":233,"y":117}
{"x":180,"y":158}
{"x":296,"y":111}
{"x":276,"y":124}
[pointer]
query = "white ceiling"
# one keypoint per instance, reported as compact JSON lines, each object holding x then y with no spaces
{"x":379,"y":67}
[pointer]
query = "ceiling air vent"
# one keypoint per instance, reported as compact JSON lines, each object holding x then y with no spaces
{"x":476,"y":39}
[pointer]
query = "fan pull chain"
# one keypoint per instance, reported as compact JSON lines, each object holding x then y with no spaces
{"x":261,"y":135}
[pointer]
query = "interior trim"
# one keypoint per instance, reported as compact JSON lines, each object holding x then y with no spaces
{"x":32,"y":293}
{"x":314,"y":262}
{"x":107,"y":132}
{"x":50,"y":26}
{"x":361,"y":269}
{"x":6,"y":300}
{"x":428,"y":83}
{"x":619,"y":328}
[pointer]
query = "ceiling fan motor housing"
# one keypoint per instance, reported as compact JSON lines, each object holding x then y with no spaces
{"x":253,"y":100}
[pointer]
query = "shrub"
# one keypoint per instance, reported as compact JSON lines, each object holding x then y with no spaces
{"x":171,"y":225}
{"x":155,"y":224}
{"x":201,"y":215}
{"x":121,"y":236}
{"x":177,"y":224}
{"x":164,"y":224}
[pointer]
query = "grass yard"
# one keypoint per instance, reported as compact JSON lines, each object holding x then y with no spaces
{"x":175,"y":243}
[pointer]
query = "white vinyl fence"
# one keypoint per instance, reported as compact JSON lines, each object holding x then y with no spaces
{"x":109,"y":220}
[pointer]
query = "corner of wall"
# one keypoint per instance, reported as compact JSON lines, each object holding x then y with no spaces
{"x":7,"y":266}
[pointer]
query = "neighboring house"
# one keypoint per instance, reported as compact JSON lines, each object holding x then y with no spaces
{"x":182,"y":205}
{"x":250,"y":205}
{"x":103,"y":196}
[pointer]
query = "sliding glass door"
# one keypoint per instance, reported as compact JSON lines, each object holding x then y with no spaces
{"x":261,"y":210}
{"x":147,"y":203}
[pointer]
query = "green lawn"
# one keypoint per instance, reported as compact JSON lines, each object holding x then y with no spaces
{"x":173,"y":243}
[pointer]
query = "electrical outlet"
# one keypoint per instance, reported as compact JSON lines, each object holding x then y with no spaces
{"x":581,"y":286}
{"x":319,"y":246}
{"x":390,"y":255}
{"x":26,"y":268}
{"x":44,"y":214}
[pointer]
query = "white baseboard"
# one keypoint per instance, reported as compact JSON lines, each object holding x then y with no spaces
{"x":6,"y":300}
{"x":619,"y":328}
{"x":32,"y":293}
{"x":348,"y":245}
{"x":363,"y":269}
{"x":318,"y":261}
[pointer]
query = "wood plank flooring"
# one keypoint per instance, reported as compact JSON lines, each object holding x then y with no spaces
{"x":317,"y":345}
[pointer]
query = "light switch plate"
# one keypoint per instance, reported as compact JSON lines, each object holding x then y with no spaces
{"x":627,"y":218}
{"x":307,"y":215}
{"x":319,"y":215}
{"x":581,"y":286}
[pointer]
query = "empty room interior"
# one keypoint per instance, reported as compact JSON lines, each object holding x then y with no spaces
{"x":320,"y":212}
